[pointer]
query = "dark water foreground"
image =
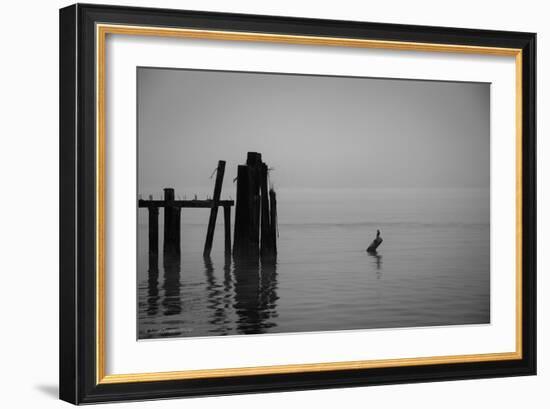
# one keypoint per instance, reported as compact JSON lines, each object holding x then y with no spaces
{"x":424,"y":274}
{"x":236,"y":298}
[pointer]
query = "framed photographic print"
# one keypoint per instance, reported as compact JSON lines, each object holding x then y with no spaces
{"x":258,"y":203}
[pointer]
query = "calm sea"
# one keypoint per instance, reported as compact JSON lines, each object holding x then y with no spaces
{"x":431,"y":269}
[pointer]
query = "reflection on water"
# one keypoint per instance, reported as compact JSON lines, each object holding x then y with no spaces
{"x":171,"y":286}
{"x":218,"y":295}
{"x":242,"y":301}
{"x":153,"y":292}
{"x":255,"y":295}
{"x":377,"y":262}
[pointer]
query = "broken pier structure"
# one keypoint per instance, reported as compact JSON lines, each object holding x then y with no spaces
{"x":255,"y":212}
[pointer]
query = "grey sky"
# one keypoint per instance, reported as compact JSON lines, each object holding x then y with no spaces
{"x":315,"y":131}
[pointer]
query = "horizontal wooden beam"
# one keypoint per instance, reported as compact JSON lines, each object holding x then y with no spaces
{"x":207,"y":204}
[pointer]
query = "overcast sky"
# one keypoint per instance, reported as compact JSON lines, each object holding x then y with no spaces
{"x":315,"y":131}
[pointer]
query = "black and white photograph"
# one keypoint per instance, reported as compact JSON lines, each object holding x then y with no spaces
{"x":266,"y":199}
{"x":288,"y":203}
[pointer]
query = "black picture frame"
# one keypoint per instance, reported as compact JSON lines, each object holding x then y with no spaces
{"x":78,"y":297}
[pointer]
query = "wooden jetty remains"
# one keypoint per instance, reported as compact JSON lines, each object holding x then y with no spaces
{"x":172,"y":221}
{"x":255,"y":211}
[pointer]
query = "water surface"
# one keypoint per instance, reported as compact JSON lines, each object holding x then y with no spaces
{"x":431,"y":269}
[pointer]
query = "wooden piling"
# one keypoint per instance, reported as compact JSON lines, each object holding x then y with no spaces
{"x":153,"y":274}
{"x":247,"y":212}
{"x":253,"y":221}
{"x":168,"y":196}
{"x":214,"y":209}
{"x":153,"y":239}
{"x":273,"y":220}
{"x":266,"y":245}
{"x":241,"y":232}
{"x":227,"y":228}
{"x":172,"y":222}
{"x":254,"y":163}
{"x":253,"y":159}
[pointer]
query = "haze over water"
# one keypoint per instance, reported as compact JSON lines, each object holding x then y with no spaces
{"x":431,"y":269}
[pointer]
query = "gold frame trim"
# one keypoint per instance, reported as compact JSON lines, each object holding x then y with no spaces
{"x":102,"y":30}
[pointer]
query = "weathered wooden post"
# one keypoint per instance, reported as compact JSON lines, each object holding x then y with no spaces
{"x":152,"y":279}
{"x":153,"y":239}
{"x":214,"y":209}
{"x":273,"y":220}
{"x":247,"y":210}
{"x":172,"y":218}
{"x":254,"y":162}
{"x":266,"y":241}
{"x":172,"y":254}
{"x":264,"y":238}
{"x":240,"y":237}
{"x":227,"y":229}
